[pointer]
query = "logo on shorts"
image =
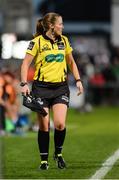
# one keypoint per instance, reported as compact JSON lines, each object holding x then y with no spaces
{"x":65,"y":98}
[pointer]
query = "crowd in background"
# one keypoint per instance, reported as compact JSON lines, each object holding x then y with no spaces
{"x":100,"y":79}
{"x":12,"y":117}
{"x":9,"y":104}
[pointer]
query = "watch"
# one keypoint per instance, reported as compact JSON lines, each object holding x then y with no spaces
{"x":23,"y":84}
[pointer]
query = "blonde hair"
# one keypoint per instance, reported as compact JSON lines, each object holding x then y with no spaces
{"x":44,"y":23}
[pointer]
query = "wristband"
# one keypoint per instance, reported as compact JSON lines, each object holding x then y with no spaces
{"x":78,"y":80}
{"x":22,"y":84}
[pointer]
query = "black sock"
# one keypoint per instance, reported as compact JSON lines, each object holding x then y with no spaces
{"x":59,"y":137}
{"x":43,"y":143}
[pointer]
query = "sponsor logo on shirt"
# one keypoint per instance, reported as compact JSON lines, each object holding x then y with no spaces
{"x":52,"y":57}
{"x":60,"y":45}
{"x":45,"y":48}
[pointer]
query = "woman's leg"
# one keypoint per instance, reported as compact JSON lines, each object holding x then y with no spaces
{"x":59,"y":116}
{"x":43,"y":138}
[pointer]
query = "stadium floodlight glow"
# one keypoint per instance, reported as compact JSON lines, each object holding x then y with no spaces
{"x":11,"y":48}
{"x":7,"y":45}
{"x":19,"y":49}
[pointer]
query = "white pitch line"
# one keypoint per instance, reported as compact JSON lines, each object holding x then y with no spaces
{"x":106,"y":166}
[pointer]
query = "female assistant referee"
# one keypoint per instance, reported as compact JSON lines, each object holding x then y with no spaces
{"x":52,"y":53}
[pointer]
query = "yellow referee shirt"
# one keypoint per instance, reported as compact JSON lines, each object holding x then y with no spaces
{"x":49,"y":56}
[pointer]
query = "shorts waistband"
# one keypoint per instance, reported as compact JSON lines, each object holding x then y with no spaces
{"x":50,"y":84}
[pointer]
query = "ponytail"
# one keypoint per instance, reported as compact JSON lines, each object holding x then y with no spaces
{"x":39,"y":28}
{"x":44,"y":23}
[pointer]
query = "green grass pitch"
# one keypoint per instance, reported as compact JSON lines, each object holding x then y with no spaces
{"x":91,"y":138}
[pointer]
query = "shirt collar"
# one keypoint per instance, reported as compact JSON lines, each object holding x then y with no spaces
{"x":58,"y":38}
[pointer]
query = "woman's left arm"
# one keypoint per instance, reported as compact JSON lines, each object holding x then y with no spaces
{"x":73,"y":67}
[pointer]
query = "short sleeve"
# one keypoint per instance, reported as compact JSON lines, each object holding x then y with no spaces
{"x":68,"y":48}
{"x":32,"y":47}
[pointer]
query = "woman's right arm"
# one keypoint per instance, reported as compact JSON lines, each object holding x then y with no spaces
{"x":24,"y":72}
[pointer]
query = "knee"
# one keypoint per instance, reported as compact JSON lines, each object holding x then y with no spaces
{"x":60,"y":126}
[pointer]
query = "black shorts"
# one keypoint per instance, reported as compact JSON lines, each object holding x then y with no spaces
{"x":51,"y":93}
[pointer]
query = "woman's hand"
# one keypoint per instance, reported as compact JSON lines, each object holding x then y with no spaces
{"x":25,"y":90}
{"x":80,"y":87}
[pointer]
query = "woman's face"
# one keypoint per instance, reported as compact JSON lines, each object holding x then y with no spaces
{"x":58,"y":26}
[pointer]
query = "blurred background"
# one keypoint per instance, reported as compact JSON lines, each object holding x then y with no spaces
{"x":93,"y":30}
